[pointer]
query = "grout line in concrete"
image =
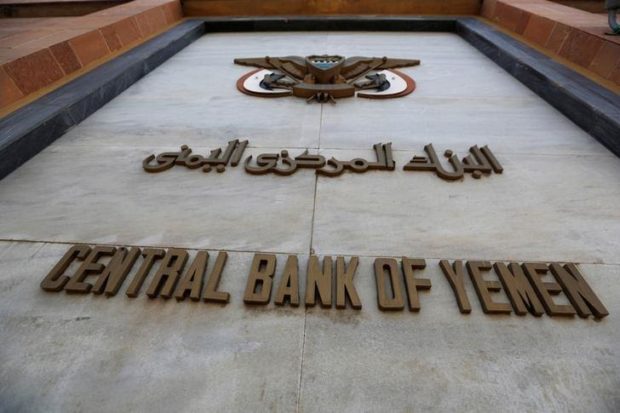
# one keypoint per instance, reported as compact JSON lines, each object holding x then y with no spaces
{"x":316,"y":184}
{"x":59,"y":148}
{"x":311,"y":251}
{"x":301,"y":361}
{"x":117,"y":244}
{"x":120,"y":244}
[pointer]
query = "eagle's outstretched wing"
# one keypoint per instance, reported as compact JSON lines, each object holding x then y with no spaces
{"x":262,"y":62}
{"x":357,"y":66}
{"x":294,"y":66}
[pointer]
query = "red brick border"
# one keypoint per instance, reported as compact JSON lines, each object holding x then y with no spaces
{"x":573,"y":34}
{"x":84,"y":43}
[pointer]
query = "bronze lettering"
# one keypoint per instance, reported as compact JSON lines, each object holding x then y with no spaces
{"x":484,"y":288}
{"x":319,"y":281}
{"x":90,"y":266}
{"x":150,"y":256}
{"x":479,"y":162}
{"x":412,"y":283}
{"x":191,"y":283}
{"x":344,"y":284}
{"x":260,"y":277}
{"x":456,"y":278}
{"x":578,"y":291}
{"x":288,"y":289}
{"x":166,"y":277}
{"x":212,"y":295}
{"x":518,"y":289}
{"x":395,"y":301}
{"x":525,"y":284}
{"x":114,"y":274}
{"x":534,"y":271}
{"x":55,"y":280}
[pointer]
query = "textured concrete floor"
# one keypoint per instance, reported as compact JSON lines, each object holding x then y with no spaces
{"x":557,"y":200}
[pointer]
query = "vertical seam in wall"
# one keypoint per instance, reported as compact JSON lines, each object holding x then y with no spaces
{"x":43,"y":244}
{"x":311,"y":251}
{"x":316,"y":184}
{"x":301,"y":362}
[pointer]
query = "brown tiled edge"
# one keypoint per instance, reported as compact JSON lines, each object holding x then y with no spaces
{"x":567,"y":33}
{"x":125,"y":26}
{"x":267,"y":8}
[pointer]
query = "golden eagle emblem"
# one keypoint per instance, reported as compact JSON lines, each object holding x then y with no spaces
{"x":324,"y":78}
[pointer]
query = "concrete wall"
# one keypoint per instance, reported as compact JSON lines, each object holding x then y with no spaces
{"x":556,"y":201}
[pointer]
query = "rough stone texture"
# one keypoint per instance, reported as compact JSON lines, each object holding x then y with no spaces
{"x":202,"y":106}
{"x":440,"y":360}
{"x":509,"y":216}
{"x":179,"y":207}
{"x":141,"y":354}
{"x":557,"y":200}
{"x":85,"y":353}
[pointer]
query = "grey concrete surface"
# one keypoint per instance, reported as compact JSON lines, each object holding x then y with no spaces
{"x":76,"y":353}
{"x":543,"y":207}
{"x":202,"y":106}
{"x":104,"y":196}
{"x":440,"y":360}
{"x":64,"y":352}
{"x":557,"y":200}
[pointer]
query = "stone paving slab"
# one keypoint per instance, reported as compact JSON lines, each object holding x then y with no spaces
{"x":556,"y":200}
{"x":441,"y":360}
{"x":461,"y":98}
{"x":540,"y":208}
{"x":196,"y":102}
{"x":207,"y":121}
{"x":525,"y":126}
{"x":70,"y":353}
{"x":155,"y":354}
{"x":102,"y":195}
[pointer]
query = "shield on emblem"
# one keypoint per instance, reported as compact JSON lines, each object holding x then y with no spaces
{"x":324,"y":67}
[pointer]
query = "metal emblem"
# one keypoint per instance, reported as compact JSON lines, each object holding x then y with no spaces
{"x":324,"y":78}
